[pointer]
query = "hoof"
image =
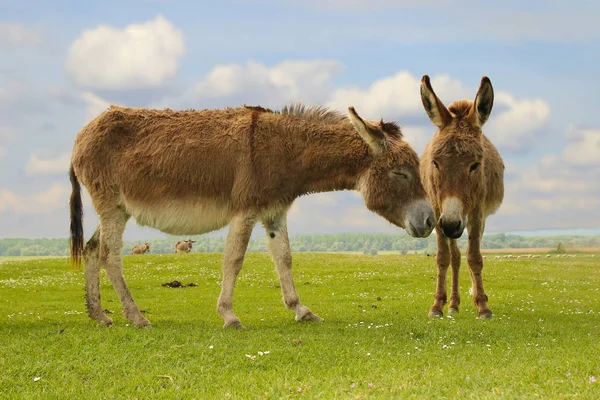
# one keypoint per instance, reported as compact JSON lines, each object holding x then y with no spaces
{"x":143,"y":323}
{"x":309,"y":316}
{"x":434,"y":312}
{"x":453,"y":310}
{"x":233,"y":324}
{"x":102,"y":320}
{"x":485,"y":315}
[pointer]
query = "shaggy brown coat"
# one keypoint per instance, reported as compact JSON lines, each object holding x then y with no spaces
{"x":141,"y":249}
{"x":463,"y":175}
{"x":184,"y":246}
{"x":192,"y":172}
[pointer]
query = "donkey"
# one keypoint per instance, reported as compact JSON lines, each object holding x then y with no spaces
{"x":463,"y":175}
{"x":192,"y":172}
{"x":141,"y":249}
{"x":184,"y":246}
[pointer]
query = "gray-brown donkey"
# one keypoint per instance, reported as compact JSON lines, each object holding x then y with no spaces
{"x":192,"y":172}
{"x":463,"y":174}
{"x":184,"y":246}
{"x":141,"y":249}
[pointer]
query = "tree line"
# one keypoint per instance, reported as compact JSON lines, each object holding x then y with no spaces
{"x":366,"y":243}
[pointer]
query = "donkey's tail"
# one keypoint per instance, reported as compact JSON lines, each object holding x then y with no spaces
{"x":76,"y":240}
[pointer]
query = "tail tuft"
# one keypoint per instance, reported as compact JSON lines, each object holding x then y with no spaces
{"x":76,"y":207}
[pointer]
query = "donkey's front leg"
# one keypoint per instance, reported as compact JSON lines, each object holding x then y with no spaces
{"x":279,"y":248}
{"x":443,"y":261}
{"x":240,"y":230}
{"x":475,"y":225}
{"x":455,"y":262}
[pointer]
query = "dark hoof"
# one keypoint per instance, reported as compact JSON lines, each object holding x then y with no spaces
{"x":485,"y":315}
{"x":453,"y":310}
{"x":235,"y":324}
{"x":103,"y":320}
{"x":434,"y":312}
{"x":309,"y":317}
{"x":143,"y":324}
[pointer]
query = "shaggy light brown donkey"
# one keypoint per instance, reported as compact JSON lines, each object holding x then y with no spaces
{"x":192,"y":172}
{"x":184,"y":246}
{"x":463,"y":175}
{"x":141,"y":249}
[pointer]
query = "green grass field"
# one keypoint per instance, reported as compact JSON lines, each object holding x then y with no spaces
{"x":376,"y":341}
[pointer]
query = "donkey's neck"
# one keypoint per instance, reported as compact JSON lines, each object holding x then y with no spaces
{"x":333,"y":160}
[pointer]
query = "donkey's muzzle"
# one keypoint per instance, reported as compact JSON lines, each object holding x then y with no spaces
{"x":420,"y":219}
{"x":452,"y":229}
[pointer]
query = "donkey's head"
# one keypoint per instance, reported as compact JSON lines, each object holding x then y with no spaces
{"x":391,"y":185}
{"x":455,"y":178}
{"x":147,"y":246}
{"x":189,"y":243}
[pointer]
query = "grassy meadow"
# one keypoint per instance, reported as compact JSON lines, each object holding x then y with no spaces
{"x":376,"y":341}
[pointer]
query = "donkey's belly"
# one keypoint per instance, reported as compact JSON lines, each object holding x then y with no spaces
{"x":180,"y":217}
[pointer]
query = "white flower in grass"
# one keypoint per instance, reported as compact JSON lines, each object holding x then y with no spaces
{"x":37,"y":378}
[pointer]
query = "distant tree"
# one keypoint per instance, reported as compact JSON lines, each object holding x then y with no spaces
{"x":13,"y":251}
{"x":560,"y":248}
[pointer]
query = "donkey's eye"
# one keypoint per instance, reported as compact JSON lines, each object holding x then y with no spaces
{"x":475,"y":166}
{"x":402,"y":174}
{"x":435,"y":164}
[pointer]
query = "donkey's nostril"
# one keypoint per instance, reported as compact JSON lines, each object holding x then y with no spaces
{"x":452,"y":229}
{"x":430,"y":222}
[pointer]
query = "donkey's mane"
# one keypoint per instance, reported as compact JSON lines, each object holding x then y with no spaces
{"x":324,"y":115}
{"x":460,"y":108}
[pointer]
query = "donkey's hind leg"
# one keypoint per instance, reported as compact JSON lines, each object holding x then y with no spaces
{"x":111,"y":245}
{"x":91,"y":259}
{"x":279,"y":247}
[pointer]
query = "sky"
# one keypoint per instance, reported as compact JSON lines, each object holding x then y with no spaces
{"x":63,"y":63}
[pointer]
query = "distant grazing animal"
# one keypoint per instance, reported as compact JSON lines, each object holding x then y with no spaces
{"x":463,"y":175}
{"x":192,"y":172}
{"x":184,"y":246}
{"x":141,"y":249}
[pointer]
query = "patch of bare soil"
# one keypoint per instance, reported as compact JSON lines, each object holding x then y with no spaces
{"x":177,"y":284}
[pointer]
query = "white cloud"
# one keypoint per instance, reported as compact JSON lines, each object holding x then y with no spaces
{"x":42,"y":202}
{"x":38,"y":165}
{"x":288,"y":81}
{"x":555,"y":192}
{"x":417,"y":136}
{"x":388,"y":97}
{"x":516,"y":125}
{"x":334,"y":212}
{"x":138,"y":56}
{"x":18,"y":35}
{"x":512,"y":125}
{"x":95,"y":105}
{"x":584,"y":147}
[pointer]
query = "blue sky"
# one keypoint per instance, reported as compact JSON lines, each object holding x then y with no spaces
{"x":61,"y":64}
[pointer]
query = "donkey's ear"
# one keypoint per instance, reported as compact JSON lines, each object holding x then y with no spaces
{"x":435,"y":109}
{"x":483,"y":102}
{"x":370,"y":133}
